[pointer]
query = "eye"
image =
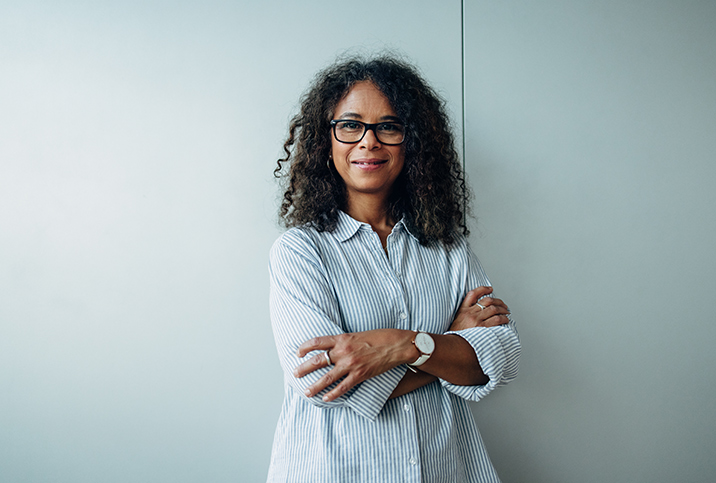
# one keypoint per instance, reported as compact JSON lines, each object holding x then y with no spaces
{"x":390,"y":127}
{"x":349,"y":126}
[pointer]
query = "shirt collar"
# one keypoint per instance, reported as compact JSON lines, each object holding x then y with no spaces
{"x":402,"y":225}
{"x":348,"y":226}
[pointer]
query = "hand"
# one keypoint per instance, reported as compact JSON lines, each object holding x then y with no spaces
{"x":356,"y":356}
{"x":472,"y":315}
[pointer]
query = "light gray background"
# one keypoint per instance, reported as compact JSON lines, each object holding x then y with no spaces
{"x":591,"y":130}
{"x":137,"y":209}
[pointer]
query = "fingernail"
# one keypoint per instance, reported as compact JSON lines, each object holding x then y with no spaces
{"x":326,"y":398}
{"x":307,"y":392}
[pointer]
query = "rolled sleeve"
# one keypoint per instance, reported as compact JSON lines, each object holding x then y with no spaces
{"x":498,"y":353}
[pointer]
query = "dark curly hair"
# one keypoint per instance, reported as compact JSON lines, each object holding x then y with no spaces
{"x":430,"y":192}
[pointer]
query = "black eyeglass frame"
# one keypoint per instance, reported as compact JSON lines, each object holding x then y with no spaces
{"x":366,"y":127}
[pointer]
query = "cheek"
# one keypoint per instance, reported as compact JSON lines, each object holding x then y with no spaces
{"x":340,"y":151}
{"x":335,"y":148}
{"x":400,"y":159}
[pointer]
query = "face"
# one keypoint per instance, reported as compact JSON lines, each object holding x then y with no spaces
{"x":368,"y":168}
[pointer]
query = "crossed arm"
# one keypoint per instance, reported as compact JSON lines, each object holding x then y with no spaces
{"x":359,"y":356}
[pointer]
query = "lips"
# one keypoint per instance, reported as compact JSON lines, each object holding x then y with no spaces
{"x":369,"y":162}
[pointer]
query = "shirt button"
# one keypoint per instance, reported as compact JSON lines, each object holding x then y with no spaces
{"x":413,"y":461}
{"x":406,"y":408}
{"x":403,"y":316}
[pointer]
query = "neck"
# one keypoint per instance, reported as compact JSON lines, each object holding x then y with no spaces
{"x":372,"y":210}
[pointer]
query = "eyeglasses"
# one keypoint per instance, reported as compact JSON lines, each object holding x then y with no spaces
{"x":351,"y":132}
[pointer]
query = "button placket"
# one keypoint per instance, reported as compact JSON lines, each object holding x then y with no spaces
{"x":410,"y":450}
{"x":386,"y":263}
{"x":394,"y":261}
{"x":394,"y":252}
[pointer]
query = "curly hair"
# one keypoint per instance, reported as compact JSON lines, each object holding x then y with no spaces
{"x":430,"y":193}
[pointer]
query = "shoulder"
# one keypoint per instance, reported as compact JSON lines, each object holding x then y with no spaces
{"x":464,"y":249}
{"x":302,"y":242}
{"x":293,"y":237}
{"x":460,"y":253}
{"x":459,"y":248}
{"x":461,"y":243}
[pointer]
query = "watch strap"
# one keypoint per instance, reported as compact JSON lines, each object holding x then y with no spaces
{"x":420,"y":360}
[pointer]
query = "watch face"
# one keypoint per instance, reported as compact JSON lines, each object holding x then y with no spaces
{"x":424,"y":343}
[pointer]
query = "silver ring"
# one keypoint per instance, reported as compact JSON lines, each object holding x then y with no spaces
{"x":482,"y":307}
{"x":328,"y":358}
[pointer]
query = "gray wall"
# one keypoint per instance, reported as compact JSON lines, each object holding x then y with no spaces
{"x":137,"y":208}
{"x":592,"y":150}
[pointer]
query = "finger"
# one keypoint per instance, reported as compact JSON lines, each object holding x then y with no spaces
{"x":493,"y":310}
{"x":343,"y":387}
{"x":496,"y":320}
{"x":317,"y":343}
{"x":480,"y":292}
{"x":489,"y":301}
{"x":328,"y":378}
{"x":314,"y":363}
{"x":494,"y":304}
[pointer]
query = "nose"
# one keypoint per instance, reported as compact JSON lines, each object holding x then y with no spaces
{"x":370,"y":140}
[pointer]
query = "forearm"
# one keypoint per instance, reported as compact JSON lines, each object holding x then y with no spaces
{"x":412,"y":381}
{"x":358,"y":356}
{"x":455,"y":361}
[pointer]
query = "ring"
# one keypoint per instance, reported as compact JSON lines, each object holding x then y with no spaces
{"x":482,"y":307}
{"x":328,"y":358}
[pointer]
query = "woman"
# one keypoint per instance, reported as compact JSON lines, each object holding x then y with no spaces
{"x":374,"y":290}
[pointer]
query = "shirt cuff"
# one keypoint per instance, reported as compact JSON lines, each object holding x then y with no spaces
{"x":491,"y":357}
{"x":371,"y":395}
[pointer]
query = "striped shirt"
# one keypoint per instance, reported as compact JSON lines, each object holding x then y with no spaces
{"x":342,"y":281}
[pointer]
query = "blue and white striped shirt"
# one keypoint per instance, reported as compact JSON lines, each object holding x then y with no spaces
{"x":339,"y":282}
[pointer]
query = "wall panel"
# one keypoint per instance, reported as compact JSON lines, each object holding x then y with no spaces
{"x":137,"y":208}
{"x":590,"y":147}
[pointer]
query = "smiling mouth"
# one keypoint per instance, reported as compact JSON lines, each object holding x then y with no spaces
{"x":370,"y":162}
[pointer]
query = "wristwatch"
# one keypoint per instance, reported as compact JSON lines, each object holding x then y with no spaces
{"x":425,"y":345}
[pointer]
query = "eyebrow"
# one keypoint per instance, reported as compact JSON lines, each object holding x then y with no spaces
{"x":354,"y":115}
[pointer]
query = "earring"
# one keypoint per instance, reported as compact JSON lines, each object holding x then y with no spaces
{"x":328,"y":162}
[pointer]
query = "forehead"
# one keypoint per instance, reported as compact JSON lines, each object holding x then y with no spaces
{"x":364,"y":100}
